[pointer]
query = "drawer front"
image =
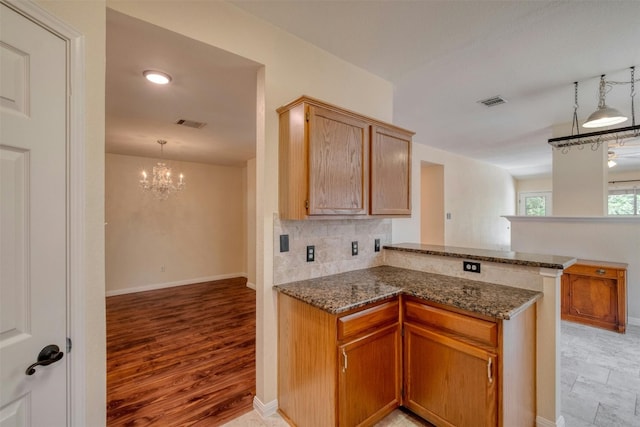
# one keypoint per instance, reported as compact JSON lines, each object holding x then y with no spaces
{"x":370,"y":318}
{"x":470,"y":327}
{"x":595,"y":271}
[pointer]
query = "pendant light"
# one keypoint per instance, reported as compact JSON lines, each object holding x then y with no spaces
{"x":604,"y":115}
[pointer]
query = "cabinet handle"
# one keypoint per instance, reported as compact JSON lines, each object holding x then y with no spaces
{"x":489,"y":370}
{"x":344,"y":359}
{"x":601,"y":271}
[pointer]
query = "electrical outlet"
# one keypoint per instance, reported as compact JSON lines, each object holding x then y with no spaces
{"x":284,"y":243}
{"x":354,"y":248}
{"x":376,"y":245}
{"x":311,"y":253}
{"x":472,"y":267}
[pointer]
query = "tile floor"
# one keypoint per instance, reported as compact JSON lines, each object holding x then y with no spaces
{"x":600,"y":382}
{"x":600,"y":376}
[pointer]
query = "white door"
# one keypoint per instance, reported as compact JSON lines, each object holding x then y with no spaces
{"x":33,"y":222}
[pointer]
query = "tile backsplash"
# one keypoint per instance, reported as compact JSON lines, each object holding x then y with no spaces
{"x":332,"y":240}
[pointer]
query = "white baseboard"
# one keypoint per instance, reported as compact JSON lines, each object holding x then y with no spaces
{"x":633,"y":321}
{"x":543,"y":422}
{"x":155,"y":286}
{"x":251,"y":285}
{"x":265,"y":410}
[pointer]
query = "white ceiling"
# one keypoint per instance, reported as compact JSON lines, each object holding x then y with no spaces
{"x":441,"y":56}
{"x":209,"y":85}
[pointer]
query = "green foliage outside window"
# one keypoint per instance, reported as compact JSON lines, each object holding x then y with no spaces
{"x":535,"y":206}
{"x":624,"y":203}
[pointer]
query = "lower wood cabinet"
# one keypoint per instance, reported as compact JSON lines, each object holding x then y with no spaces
{"x":467,"y":372}
{"x":595,"y":293}
{"x":369,"y":381}
{"x":456,"y":369}
{"x":338,"y":370}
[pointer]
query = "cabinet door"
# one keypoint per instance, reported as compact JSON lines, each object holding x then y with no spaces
{"x":338,"y":163}
{"x":449,"y":382}
{"x":369,"y":378}
{"x":593,"y":298}
{"x":390,"y":172}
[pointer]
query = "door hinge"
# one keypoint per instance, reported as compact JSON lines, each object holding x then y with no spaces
{"x":306,"y":204}
{"x":69,"y":345}
{"x":307,"y":116}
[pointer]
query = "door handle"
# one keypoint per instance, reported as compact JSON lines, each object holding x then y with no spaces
{"x":48,"y":355}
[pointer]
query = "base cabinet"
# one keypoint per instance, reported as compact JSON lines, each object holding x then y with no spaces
{"x":338,"y":370}
{"x":449,"y":382}
{"x":462,"y":371}
{"x":369,"y":377}
{"x":594,"y":293}
{"x":456,"y":370}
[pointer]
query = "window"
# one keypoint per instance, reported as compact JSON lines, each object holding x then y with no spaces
{"x":624,"y":202}
{"x":534,"y":204}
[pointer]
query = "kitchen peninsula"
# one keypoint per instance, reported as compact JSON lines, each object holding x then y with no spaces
{"x":420,"y":332}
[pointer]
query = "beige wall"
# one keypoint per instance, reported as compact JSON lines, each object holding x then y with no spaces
{"x":250,"y":202}
{"x":292,"y":68}
{"x":195,"y":235}
{"x":534,"y":185}
{"x":580,"y":182}
{"x":432,"y":204}
{"x":476,"y":194}
{"x":89,"y":19}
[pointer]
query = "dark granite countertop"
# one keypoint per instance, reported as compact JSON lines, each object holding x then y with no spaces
{"x":342,"y":292}
{"x":504,"y":257}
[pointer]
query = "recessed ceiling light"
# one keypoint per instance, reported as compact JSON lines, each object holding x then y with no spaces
{"x":157,"y":77}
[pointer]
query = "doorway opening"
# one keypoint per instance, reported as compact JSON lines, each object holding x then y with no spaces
{"x":177,"y":256}
{"x":432,"y":210}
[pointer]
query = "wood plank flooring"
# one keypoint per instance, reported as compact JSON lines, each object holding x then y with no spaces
{"x":182,"y":356}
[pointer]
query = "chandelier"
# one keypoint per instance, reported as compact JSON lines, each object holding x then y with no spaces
{"x":161,"y":184}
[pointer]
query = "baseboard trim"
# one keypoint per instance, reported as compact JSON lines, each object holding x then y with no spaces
{"x":543,"y":422}
{"x":633,"y":321}
{"x":265,"y":410}
{"x":251,"y":285}
{"x":156,"y":286}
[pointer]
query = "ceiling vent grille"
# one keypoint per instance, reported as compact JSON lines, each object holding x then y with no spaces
{"x":493,"y":101}
{"x":190,"y":123}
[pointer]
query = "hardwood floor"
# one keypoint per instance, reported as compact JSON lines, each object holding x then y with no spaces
{"x":182,"y":356}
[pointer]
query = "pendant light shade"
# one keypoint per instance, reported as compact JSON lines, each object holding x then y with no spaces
{"x":604,"y":116}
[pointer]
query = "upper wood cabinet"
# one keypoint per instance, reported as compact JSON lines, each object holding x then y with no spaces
{"x":390,"y":171}
{"x":334,"y":162}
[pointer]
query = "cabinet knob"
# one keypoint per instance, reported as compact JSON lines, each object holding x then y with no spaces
{"x":489,"y":370}
{"x":344,"y":357}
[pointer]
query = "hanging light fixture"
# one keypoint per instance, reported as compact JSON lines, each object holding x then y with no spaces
{"x":161,"y":184}
{"x":598,"y":137}
{"x":604,"y":115}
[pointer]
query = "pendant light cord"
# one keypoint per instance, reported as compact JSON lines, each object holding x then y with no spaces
{"x":574,"y":126}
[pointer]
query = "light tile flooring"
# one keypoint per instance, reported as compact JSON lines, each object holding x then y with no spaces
{"x":397,"y":418}
{"x":600,"y":381}
{"x":600,"y":376}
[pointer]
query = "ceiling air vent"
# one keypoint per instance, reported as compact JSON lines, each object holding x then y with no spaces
{"x":493,"y":101}
{"x":190,"y":123}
